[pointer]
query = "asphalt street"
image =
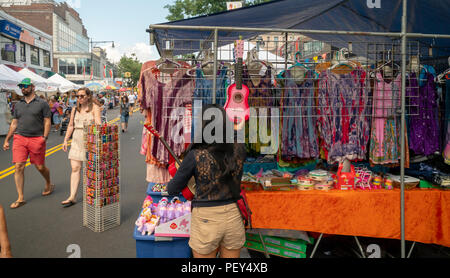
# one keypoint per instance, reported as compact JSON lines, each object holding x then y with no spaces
{"x":44,"y":229}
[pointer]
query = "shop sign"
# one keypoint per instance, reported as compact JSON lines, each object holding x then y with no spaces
{"x":10,"y":29}
{"x":234,"y":5}
{"x":42,"y":45}
{"x":10,"y":48}
{"x":27,"y":38}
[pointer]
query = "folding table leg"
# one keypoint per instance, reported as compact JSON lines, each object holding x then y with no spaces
{"x":315,"y":246}
{"x":410,"y":251}
{"x":360,"y":247}
{"x":264,"y":245}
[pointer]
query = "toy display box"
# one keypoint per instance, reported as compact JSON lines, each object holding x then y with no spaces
{"x":180,"y":227}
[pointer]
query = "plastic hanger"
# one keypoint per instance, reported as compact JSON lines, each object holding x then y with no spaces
{"x":298,"y":56}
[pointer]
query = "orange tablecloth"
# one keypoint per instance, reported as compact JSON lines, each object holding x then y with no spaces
{"x":374,"y":213}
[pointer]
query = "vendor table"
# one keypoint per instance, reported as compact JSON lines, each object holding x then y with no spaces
{"x":367,"y":213}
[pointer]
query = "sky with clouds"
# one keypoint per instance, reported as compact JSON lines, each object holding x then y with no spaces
{"x":124,"y":22}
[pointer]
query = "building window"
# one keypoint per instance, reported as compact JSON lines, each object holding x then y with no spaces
{"x":62,"y":66}
{"x":71,"y":66}
{"x":47,"y":63}
{"x":8,"y":49}
{"x":71,"y":41}
{"x":23,"y":52}
{"x":35,"y":59}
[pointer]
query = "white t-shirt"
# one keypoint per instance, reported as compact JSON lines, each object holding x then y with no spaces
{"x":132,"y":99}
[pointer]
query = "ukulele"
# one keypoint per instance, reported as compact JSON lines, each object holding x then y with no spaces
{"x":237,"y":107}
{"x":189,"y":191}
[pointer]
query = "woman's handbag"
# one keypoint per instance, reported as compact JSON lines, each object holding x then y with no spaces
{"x":244,"y":209}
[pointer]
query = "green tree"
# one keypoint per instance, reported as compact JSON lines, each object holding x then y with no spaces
{"x":189,"y":8}
{"x":130,"y":64}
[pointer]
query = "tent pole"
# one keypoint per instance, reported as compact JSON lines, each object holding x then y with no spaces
{"x":403,"y":131}
{"x":216,"y":42}
{"x":285,"y":51}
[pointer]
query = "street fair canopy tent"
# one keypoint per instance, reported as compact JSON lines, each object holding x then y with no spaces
{"x":94,"y":86}
{"x":109,"y":87}
{"x":64,"y":84}
{"x":9,"y":79}
{"x":426,"y":17}
{"x":40,"y":82}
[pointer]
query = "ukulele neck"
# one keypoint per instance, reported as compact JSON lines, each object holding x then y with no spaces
{"x":239,"y":74}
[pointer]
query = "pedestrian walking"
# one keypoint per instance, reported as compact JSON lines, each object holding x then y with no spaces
{"x":124,"y":113}
{"x":103,"y":109}
{"x":217,"y":225}
{"x":30,"y":127}
{"x":132,"y":100}
{"x":85,"y":113}
{"x":5,"y":246}
{"x":56,"y":110}
{"x":72,"y":100}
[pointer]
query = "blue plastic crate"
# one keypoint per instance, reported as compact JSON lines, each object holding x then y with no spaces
{"x":147,"y":247}
{"x":157,"y":196}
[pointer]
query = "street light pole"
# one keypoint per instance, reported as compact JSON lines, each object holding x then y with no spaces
{"x":92,"y":56}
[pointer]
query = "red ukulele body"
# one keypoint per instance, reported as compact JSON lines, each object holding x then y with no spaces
{"x":237,"y":107}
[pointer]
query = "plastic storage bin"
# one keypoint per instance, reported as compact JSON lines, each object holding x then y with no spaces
{"x":173,"y":247}
{"x":148,"y":247}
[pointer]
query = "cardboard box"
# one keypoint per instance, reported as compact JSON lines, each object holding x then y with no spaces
{"x":297,"y":245}
{"x":274,"y":250}
{"x":180,"y":227}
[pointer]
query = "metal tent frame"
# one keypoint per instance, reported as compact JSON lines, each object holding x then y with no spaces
{"x":403,"y":35}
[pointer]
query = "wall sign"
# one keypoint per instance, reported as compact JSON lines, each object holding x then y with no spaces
{"x":10,"y":47}
{"x":10,"y":29}
{"x":27,"y":38}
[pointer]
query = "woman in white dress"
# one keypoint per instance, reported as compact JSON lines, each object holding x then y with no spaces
{"x":86,"y":112}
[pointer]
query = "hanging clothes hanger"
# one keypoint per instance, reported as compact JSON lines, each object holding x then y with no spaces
{"x":441,"y":78}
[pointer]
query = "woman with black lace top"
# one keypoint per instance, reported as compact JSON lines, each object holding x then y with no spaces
{"x":217,"y":225}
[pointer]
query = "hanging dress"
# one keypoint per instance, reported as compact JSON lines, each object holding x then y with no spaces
{"x":385,"y":139}
{"x":423,"y":118}
{"x":343,"y":120}
{"x":299,"y":138}
{"x":261,"y":96}
{"x":446,"y":144}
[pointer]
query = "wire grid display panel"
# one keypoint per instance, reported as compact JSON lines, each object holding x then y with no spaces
{"x":101,"y":178}
{"x":279,"y":68}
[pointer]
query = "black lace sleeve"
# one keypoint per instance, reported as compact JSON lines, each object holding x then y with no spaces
{"x":183,"y":175}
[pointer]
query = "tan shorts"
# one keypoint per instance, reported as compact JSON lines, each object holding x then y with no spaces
{"x":212,"y":227}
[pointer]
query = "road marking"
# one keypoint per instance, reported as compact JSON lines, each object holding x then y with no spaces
{"x":47,"y":151}
{"x":11,"y":170}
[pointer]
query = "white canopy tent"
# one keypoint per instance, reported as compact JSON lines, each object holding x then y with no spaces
{"x":64,"y":84}
{"x":40,"y":82}
{"x":8,"y":82}
{"x":9,"y":79}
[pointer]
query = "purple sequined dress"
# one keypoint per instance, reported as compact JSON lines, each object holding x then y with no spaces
{"x":423,"y":117}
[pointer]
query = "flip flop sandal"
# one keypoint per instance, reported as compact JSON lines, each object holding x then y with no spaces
{"x":52,"y":188}
{"x":17,"y":204}
{"x":69,"y":204}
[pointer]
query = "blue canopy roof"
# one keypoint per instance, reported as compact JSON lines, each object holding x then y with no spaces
{"x":427,"y":17}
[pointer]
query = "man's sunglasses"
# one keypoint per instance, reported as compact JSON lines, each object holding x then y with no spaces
{"x":24,"y":86}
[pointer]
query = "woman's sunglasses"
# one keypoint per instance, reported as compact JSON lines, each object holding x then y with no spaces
{"x":81,"y":96}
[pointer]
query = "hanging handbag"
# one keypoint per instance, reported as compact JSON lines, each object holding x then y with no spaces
{"x":245,"y":209}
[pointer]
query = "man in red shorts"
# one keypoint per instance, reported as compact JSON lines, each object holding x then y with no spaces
{"x":30,"y":127}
